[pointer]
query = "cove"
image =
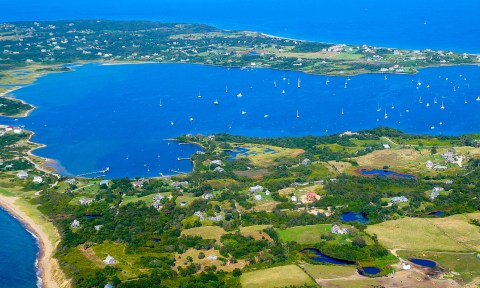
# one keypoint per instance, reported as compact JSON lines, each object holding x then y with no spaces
{"x":322,"y":258}
{"x":119,"y":116}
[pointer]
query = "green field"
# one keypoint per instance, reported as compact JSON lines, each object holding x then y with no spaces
{"x":304,"y":234}
{"x":329,"y":271}
{"x":282,"y":276}
{"x":206,"y":232}
{"x":452,"y":233}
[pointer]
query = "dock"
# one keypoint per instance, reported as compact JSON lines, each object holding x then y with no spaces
{"x":177,"y":171}
{"x":95,"y":172}
{"x":180,"y":159}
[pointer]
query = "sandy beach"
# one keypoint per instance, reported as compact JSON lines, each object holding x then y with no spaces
{"x":51,"y":274}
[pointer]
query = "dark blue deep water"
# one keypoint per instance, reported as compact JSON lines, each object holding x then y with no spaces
{"x":18,"y":252}
{"x":369,"y":271}
{"x":386,"y":173}
{"x":354,"y":217}
{"x":322,"y":258}
{"x":110,"y":116}
{"x":423,"y":262}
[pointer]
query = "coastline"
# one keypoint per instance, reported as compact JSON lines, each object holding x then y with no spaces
{"x":51,"y":274}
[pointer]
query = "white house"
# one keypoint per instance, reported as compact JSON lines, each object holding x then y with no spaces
{"x":216,"y":162}
{"x":406,"y":266}
{"x":267,"y":192}
{"x":75,"y":224}
{"x":294,"y":198}
{"x":85,"y":201}
{"x":17,"y":130}
{"x":386,"y":146}
{"x":97,"y":227}
{"x":104,"y":182}
{"x":258,"y":197}
{"x":256,"y":188}
{"x":109,"y":260}
{"x":436,"y":192}
{"x":306,"y":162}
{"x":219,"y":169}
{"x":207,"y":196}
{"x":37,"y":179}
{"x":337,"y":230}
{"x":9,"y":128}
{"x":22,"y":175}
{"x":399,"y":199}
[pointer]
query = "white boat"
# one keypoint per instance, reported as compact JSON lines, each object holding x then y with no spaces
{"x":283,"y":91}
{"x":433,"y":127}
{"x":327,"y":81}
{"x":443,"y":106}
{"x":478,"y":98}
{"x":419,"y":83}
{"x":342,"y":111}
{"x":274,"y":83}
{"x":265,"y":116}
{"x":386,"y":77}
{"x":393,"y":107}
{"x":215,"y":102}
{"x":428,"y":105}
{"x":126,"y":157}
{"x":160,"y":103}
{"x":239,"y":95}
{"x":435,"y":101}
{"x":199,"y":95}
{"x":420,"y":101}
{"x":298,"y":115}
{"x":378,"y":108}
{"x":288,"y":81}
{"x":385,"y":115}
{"x":284,"y":78}
{"x":428,"y":86}
{"x":171,"y":123}
{"x":226,"y":89}
{"x":465,"y":102}
{"x":298,"y":83}
{"x":441,"y":123}
{"x":244,"y":113}
{"x":191,"y":119}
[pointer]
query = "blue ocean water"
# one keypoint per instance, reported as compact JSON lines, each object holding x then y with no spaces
{"x":435,"y":24}
{"x":110,"y":115}
{"x":18,"y":252}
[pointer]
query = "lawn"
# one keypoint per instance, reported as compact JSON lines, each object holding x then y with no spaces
{"x":206,"y":232}
{"x":329,"y":271}
{"x":283,"y":276}
{"x":452,"y":233}
{"x":304,"y":234}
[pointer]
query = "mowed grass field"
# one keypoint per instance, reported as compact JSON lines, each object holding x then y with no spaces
{"x":304,"y":234}
{"x":329,"y":271}
{"x":283,"y":276}
{"x":452,"y":233}
{"x":206,"y":232}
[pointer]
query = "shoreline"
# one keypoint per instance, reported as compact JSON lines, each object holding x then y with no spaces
{"x":49,"y":268}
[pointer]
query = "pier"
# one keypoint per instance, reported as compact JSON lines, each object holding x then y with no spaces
{"x":177,"y":171}
{"x":180,"y":159}
{"x":95,"y":172}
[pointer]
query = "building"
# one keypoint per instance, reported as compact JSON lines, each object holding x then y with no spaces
{"x":386,"y":146}
{"x":294,"y":198}
{"x":200,"y":215}
{"x":337,"y":230}
{"x":97,"y":227}
{"x":70,"y":181}
{"x":9,"y":128}
{"x":207,"y":196}
{"x":215,"y":218}
{"x":406,"y":266}
{"x":267,"y":192}
{"x":22,"y":175}
{"x":256,"y":189}
{"x":139,"y":183}
{"x":258,"y":197}
{"x":305,"y":162}
{"x":17,"y":130}
{"x":219,"y":169}
{"x":37,"y":179}
{"x":429,"y":164}
{"x":436,"y":192}
{"x":75,"y":224}
{"x":86,"y":201}
{"x":178,"y":185}
{"x":398,"y":199}
{"x":216,"y":162}
{"x":104,"y":182}
{"x":109,"y":260}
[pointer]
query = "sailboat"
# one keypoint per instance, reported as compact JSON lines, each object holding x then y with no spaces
{"x":393,"y":107}
{"x":244,"y":113}
{"x":191,"y":119}
{"x":298,"y":83}
{"x":283,"y":91}
{"x":298,"y":115}
{"x":428,"y":105}
{"x":386,"y":77}
{"x":378,"y":108}
{"x":465,"y":100}
{"x":215,"y":102}
{"x":274,"y":83}
{"x":435,"y":101}
{"x":226,"y":89}
{"x":327,"y":81}
{"x":160,"y":103}
{"x":346,"y":81}
{"x":478,"y":98}
{"x":126,"y":157}
{"x":442,"y":107}
{"x":288,"y":81}
{"x":284,"y":78}
{"x":420,"y":101}
{"x":386,"y":115}
{"x":239,"y":95}
{"x":199,"y":95}
{"x":342,"y":111}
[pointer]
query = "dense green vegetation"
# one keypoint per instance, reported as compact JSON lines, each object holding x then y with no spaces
{"x":12,"y":107}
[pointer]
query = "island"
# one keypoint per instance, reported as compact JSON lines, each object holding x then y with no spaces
{"x":31,"y":49}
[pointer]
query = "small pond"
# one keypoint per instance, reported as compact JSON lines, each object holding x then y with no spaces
{"x":237,"y":151}
{"x":322,"y":258}
{"x":423,"y":262}
{"x":437,"y":213}
{"x":369,"y":271}
{"x":354,"y":217}
{"x":386,"y":173}
{"x":93,"y":216}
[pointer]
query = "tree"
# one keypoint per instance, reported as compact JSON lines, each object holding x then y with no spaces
{"x":237,"y":272}
{"x":359,"y":242}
